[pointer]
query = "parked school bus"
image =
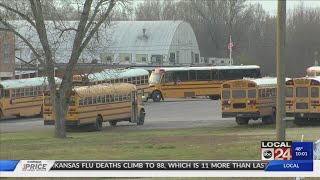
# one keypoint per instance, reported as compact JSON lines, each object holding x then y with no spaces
{"x":302,"y":100}
{"x":93,"y":105}
{"x":138,"y":77}
{"x":247,"y":99}
{"x":23,"y":97}
{"x":183,"y":82}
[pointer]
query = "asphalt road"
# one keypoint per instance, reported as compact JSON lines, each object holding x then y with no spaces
{"x":169,"y":114}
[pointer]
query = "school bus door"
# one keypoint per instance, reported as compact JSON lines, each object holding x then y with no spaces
{"x":134,"y":111}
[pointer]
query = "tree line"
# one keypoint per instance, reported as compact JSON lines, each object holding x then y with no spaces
{"x":253,"y":30}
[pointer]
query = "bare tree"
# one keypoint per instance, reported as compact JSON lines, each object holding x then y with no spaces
{"x":93,"y":14}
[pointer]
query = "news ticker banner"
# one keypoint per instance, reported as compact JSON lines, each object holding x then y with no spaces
{"x":186,"y":168}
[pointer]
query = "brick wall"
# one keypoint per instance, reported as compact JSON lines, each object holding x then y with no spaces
{"x":7,"y":48}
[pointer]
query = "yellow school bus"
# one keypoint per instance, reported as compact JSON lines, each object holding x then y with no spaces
{"x":93,"y":105}
{"x":138,"y":77}
{"x":180,"y":82}
{"x":22,"y":97}
{"x":247,"y":99}
{"x":303,"y":100}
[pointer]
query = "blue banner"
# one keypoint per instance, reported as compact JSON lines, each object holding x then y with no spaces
{"x":8,"y":165}
{"x":292,"y":165}
{"x":302,"y":151}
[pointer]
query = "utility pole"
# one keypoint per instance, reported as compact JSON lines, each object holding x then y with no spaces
{"x":281,"y":37}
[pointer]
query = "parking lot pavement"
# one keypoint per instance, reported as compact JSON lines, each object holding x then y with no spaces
{"x":168,"y":114}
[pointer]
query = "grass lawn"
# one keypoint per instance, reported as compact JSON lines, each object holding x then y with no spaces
{"x":182,"y":144}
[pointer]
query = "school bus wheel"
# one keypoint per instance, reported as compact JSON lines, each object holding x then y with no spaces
{"x":141,"y":117}
{"x":242,"y":121}
{"x":113,"y":123}
{"x":98,"y":124}
{"x":156,"y":96}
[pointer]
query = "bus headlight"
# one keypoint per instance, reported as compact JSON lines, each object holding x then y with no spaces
{"x":144,"y":98}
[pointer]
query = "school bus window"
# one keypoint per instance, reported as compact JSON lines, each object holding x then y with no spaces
{"x":262,"y":92}
{"x":94,"y":100}
{"x":226,"y":94}
{"x":120,"y":98}
{"x":289,"y":92}
{"x":214,"y":75}
{"x":72,"y":102}
{"x":192,"y":75}
{"x":99,"y":100}
{"x":89,"y":100}
{"x":116,"y":98}
{"x":6,"y":93}
{"x":238,"y":94}
{"x":252,"y":93}
{"x":181,"y":75}
{"x":27,"y":92}
{"x":203,"y":75}
{"x":47,"y":101}
{"x":314,"y":92}
{"x":81,"y":102}
{"x":302,"y":92}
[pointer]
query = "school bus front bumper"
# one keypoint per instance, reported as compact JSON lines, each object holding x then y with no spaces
{"x":240,"y":114}
{"x":303,"y":115}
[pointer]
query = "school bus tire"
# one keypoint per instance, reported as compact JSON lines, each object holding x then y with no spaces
{"x":98,"y":124}
{"x":113,"y":123}
{"x":141,"y":117}
{"x":156,"y":96}
{"x":41,"y":112}
{"x":242,"y":121}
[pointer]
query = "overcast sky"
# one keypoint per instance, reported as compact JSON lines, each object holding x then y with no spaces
{"x":271,"y":5}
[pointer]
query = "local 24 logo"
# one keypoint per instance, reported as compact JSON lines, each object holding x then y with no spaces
{"x":276,"y":150}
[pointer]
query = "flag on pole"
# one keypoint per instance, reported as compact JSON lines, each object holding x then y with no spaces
{"x":230,"y":45}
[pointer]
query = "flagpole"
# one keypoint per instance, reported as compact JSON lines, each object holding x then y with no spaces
{"x":230,"y":51}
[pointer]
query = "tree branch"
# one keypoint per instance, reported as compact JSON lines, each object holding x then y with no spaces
{"x":19,"y":13}
{"x":9,"y":27}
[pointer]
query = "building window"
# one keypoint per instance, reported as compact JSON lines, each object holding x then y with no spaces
{"x":144,"y":59}
{"x":6,"y":53}
{"x":127,"y":58}
{"x":172,"y":57}
{"x":222,"y":61}
{"x":196,"y":58}
{"x":109,"y":58}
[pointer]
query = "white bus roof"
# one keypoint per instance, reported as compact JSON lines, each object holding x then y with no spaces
{"x":117,"y":74}
{"x":209,"y":68}
{"x":104,"y":89}
{"x":30,"y":82}
{"x":316,"y":78}
{"x":264,"y":81}
{"x":313,"y":68}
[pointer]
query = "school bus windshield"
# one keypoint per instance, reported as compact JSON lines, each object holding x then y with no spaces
{"x":154,"y":78}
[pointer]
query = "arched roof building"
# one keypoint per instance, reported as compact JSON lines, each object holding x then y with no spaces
{"x":120,"y":42}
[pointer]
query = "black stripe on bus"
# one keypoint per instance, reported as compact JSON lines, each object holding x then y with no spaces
{"x":104,"y":115}
{"x":206,"y":84}
{"x":190,"y":88}
{"x":27,"y":101}
{"x":81,"y":106}
{"x":105,"y":109}
{"x":22,"y":107}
